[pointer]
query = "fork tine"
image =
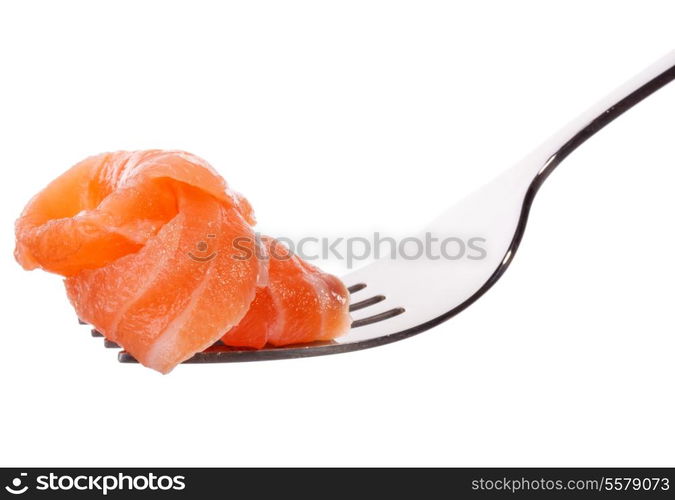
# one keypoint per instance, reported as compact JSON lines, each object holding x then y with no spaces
{"x":378,"y":317}
{"x":355,"y":288}
{"x":365,"y":303}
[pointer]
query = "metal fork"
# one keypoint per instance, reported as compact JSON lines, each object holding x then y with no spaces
{"x":393,"y":299}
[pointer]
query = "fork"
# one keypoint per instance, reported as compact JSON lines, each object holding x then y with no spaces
{"x":393,"y":299}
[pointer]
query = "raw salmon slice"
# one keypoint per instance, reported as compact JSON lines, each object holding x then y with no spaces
{"x":108,"y":206}
{"x":163,"y":306}
{"x":300,"y":304}
{"x":145,"y":240}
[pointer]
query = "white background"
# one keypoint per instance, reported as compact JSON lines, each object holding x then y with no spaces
{"x":343,"y":118}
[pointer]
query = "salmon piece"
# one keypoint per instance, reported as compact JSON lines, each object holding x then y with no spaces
{"x":144,"y":240}
{"x":108,"y":206}
{"x":300,"y":304}
{"x":160,"y":304}
{"x":147,"y":240}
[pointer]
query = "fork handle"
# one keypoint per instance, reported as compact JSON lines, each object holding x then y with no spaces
{"x":541,"y":162}
{"x":500,"y":209}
